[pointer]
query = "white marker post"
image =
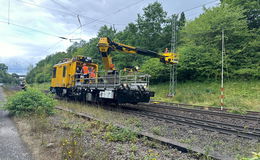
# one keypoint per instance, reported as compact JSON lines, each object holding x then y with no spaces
{"x":222,"y":73}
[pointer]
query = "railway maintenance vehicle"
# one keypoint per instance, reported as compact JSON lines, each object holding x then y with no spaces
{"x":110,"y":85}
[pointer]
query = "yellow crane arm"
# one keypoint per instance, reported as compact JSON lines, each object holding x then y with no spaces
{"x":105,"y":46}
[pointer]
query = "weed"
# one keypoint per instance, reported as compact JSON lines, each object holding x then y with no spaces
{"x":132,"y":156}
{"x":151,"y":144}
{"x":174,"y":132}
{"x":95,"y":125}
{"x":119,"y":134}
{"x":97,"y":152}
{"x":151,"y":155}
{"x":133,"y":148}
{"x":207,"y":149}
{"x":188,"y":140}
{"x":72,"y":147}
{"x":120,"y":149}
{"x":39,"y":123}
{"x":134,"y":121}
{"x":255,"y":156}
{"x":158,"y":130}
{"x":237,"y":106}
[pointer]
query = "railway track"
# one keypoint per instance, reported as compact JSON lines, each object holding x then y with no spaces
{"x":221,"y":127}
{"x":251,"y":133}
{"x":245,"y":117}
{"x":170,"y":142}
{"x":198,"y":107}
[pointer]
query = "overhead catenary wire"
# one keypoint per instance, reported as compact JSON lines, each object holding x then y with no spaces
{"x":32,"y":29}
{"x":201,"y":5}
{"x":94,"y":20}
{"x":132,"y":4}
{"x":70,"y":13}
{"x":62,"y":6}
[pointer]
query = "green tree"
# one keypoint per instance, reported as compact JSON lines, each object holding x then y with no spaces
{"x":3,"y":67}
{"x":251,"y":9}
{"x":182,"y":21}
{"x":158,"y":71}
{"x":150,"y":26}
{"x":200,"y":53}
{"x":106,"y":31}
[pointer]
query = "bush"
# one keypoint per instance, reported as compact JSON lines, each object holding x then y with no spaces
{"x":116,"y":134}
{"x":159,"y":72}
{"x":30,"y":102}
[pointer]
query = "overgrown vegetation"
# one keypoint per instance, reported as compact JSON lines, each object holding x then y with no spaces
{"x":30,"y":102}
{"x":72,"y":147}
{"x":118,"y":134}
{"x":6,"y":77}
{"x":256,"y":156}
{"x":239,"y":95}
{"x":199,"y":44}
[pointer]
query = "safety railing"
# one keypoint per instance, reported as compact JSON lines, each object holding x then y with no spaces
{"x":112,"y":79}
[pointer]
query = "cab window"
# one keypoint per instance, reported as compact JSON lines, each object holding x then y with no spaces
{"x":54,"y":72}
{"x":64,"y":71}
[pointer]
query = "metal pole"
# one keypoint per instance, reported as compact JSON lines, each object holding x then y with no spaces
{"x":172,"y":84}
{"x":9,"y":11}
{"x":222,"y":72}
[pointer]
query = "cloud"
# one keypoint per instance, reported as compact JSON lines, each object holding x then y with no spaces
{"x":50,"y":19}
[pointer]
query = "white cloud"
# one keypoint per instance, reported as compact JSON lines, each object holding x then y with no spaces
{"x":60,"y":20}
{"x":10,"y":50}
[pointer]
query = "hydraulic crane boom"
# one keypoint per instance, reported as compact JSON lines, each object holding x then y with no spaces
{"x":105,"y":46}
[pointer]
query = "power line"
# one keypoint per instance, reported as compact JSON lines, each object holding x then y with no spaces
{"x":33,"y":4}
{"x":32,"y":29}
{"x":119,"y":10}
{"x":94,"y":20}
{"x":62,"y":6}
{"x":187,"y":10}
{"x":73,"y":14}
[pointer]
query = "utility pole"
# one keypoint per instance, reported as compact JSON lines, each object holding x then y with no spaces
{"x":9,"y":11}
{"x":173,"y":68}
{"x":222,"y":71}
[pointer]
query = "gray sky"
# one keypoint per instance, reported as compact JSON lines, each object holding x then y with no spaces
{"x":35,"y":25}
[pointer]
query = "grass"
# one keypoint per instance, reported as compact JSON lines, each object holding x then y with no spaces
{"x":239,"y":95}
{"x":41,"y":86}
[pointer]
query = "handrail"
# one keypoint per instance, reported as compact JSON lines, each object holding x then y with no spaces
{"x":112,"y":80}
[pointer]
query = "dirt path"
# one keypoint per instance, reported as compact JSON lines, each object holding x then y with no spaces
{"x":11,"y":146}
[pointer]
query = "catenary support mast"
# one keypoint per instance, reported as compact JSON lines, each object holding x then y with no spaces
{"x":173,"y":67}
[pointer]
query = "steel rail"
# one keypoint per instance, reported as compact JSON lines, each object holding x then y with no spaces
{"x":250,"y":133}
{"x":170,"y":142}
{"x":208,"y":112}
{"x":210,"y":108}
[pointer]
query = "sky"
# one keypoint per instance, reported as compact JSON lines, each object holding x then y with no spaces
{"x":31,"y":29}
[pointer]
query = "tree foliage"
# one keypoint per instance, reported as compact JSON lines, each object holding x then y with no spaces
{"x":198,"y":43}
{"x":251,"y":9}
{"x":6,"y":77}
{"x":201,"y":50}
